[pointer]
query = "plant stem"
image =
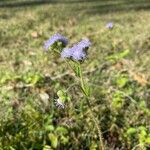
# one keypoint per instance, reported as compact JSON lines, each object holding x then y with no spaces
{"x":82,"y":81}
{"x":70,"y":66}
{"x":97,"y":125}
{"x":87,"y":95}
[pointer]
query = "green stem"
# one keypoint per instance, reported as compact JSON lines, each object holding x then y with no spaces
{"x":97,"y":125}
{"x":87,"y":95}
{"x":67,"y":62}
{"x":82,"y":81}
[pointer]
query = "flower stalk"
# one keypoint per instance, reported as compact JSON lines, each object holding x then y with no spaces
{"x":87,"y":93}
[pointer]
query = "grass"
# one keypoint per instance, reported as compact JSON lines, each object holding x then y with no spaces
{"x":120,"y":82}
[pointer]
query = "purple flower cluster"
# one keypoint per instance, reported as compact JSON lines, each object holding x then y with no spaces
{"x":85,"y":43}
{"x":56,"y":37}
{"x":109,"y":25}
{"x":77,"y":52}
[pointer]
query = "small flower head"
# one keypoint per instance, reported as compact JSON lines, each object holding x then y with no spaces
{"x":59,"y":103}
{"x":66,"y":53}
{"x":109,"y":25}
{"x":77,"y":52}
{"x":55,"y":38}
{"x":85,"y":43}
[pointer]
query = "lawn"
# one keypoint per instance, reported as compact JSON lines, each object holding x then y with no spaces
{"x":117,"y":70}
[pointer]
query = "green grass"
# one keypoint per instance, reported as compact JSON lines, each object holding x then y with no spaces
{"x":119,"y":82}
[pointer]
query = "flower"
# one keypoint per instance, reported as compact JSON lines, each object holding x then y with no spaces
{"x":59,"y":103}
{"x":109,"y":25}
{"x":66,"y":53}
{"x":56,"y":37}
{"x":77,"y":52}
{"x":85,"y":43}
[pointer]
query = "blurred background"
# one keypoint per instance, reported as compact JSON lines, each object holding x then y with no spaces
{"x":117,"y":69}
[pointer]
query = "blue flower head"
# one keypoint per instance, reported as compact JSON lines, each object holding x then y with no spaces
{"x":77,"y":52}
{"x":85,"y":43}
{"x":67,"y":52}
{"x":55,"y":38}
{"x":109,"y":25}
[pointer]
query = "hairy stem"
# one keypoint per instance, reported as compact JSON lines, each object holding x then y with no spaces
{"x":86,"y":94}
{"x":96,"y":124}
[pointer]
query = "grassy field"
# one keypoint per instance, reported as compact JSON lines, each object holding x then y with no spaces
{"x":117,"y":69}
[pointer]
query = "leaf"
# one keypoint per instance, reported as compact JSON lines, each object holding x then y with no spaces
{"x":53,"y":139}
{"x":122,"y":81}
{"x":142,"y":104}
{"x":32,"y":77}
{"x":11,"y":148}
{"x":35,"y":79}
{"x":117,"y":56}
{"x":64,"y":139}
{"x":62,"y":130}
{"x":124,"y":53}
{"x":77,"y":70}
{"x":142,"y":134}
{"x":47,"y":147}
{"x":93,"y":146}
{"x":49,"y":128}
{"x":62,"y":95}
{"x":147,"y":140}
{"x":131,"y":131}
{"x":117,"y":100}
{"x":87,"y":90}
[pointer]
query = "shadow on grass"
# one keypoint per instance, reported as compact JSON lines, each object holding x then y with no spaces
{"x":19,"y":3}
{"x":119,"y":5}
{"x":14,"y":3}
{"x":91,"y":6}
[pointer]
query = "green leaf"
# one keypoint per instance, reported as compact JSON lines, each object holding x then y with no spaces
{"x":131,"y":131}
{"x":53,"y":139}
{"x":64,"y":139}
{"x":142,"y":104}
{"x":117,"y":56}
{"x":61,"y":130}
{"x":35,"y":79}
{"x":11,"y":148}
{"x":124,"y":53}
{"x":87,"y":90}
{"x":93,"y":146}
{"x":117,"y":100}
{"x":122,"y":81}
{"x":62,"y":95}
{"x":142,"y":134}
{"x":49,"y":128}
{"x":77,"y":70}
{"x":147,"y":140}
{"x":32,"y":77}
{"x":47,"y":147}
